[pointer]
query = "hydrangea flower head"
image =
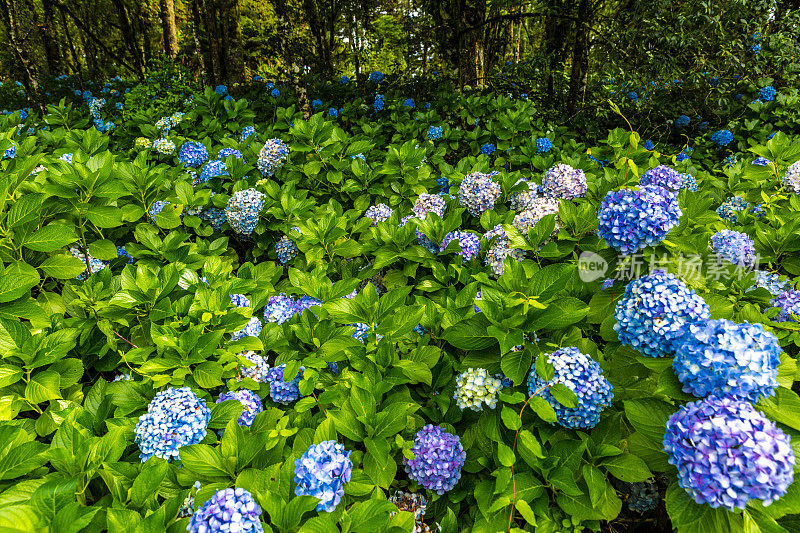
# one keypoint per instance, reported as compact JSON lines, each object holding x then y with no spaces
{"x":272,"y":156}
{"x":250,"y":401}
{"x":488,"y":149}
{"x":428,"y":203}
{"x":213,"y":169}
{"x":221,"y":90}
{"x":500,"y":250}
{"x":95,"y":265}
{"x":214,"y":216}
{"x":583,"y":376}
{"x":435,"y":132}
{"x":247,"y":132}
{"x":469,"y":243}
{"x":438,"y":459}
{"x":727,"y":453}
{"x":539,"y":208}
{"x":281,"y":391}
{"x":722,"y":358}
{"x":649,"y":145}
{"x":791,"y":180}
{"x":286,"y":249}
{"x":275,"y":93}
{"x":767,"y":94}
{"x":563,"y":181}
{"x":376,"y":76}
{"x":734,"y":246}
{"x":663,"y":176}
{"x":279,"y":309}
{"x":322,"y":472}
{"x":682,"y":121}
{"x":543,"y":145}
{"x":761,"y":161}
{"x":789,"y":304}
{"x":378,"y":213}
{"x":240,"y":300}
{"x":164,"y":146}
{"x":732,"y":205}
{"x":251,"y":329}
{"x":655,"y":311}
{"x":243,"y":210}
{"x":175,"y":417}
{"x":722,"y":138}
{"x":409,"y":102}
{"x":478,"y":192}
{"x":228,"y":510}
{"x":225,"y":152}
{"x":260,"y":369}
{"x":379,"y":103}
{"x":632,"y":219}
{"x":771,"y":281}
{"x":476,"y":387}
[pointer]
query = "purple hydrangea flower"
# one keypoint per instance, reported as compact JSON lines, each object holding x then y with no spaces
{"x":428,"y":203}
{"x":279,"y":309}
{"x":250,"y":401}
{"x":789,"y":304}
{"x":655,"y":311}
{"x":734,"y":246}
{"x":583,"y":376}
{"x":240,"y":300}
{"x":378,"y":213}
{"x":722,"y":358}
{"x":322,"y":472}
{"x":193,"y":154}
{"x":225,"y":152}
{"x":228,"y":510}
{"x":478,"y":192}
{"x":438,"y":459}
{"x":281,"y":391}
{"x":469,"y":242}
{"x":727,"y":453}
{"x":663,"y":176}
{"x":251,"y":329}
{"x":563,"y":181}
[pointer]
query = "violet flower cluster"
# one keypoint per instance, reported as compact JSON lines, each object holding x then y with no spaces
{"x":175,"y":417}
{"x":249,"y":400}
{"x":632,"y":219}
{"x":229,"y":511}
{"x":478,"y":192}
{"x":438,"y":459}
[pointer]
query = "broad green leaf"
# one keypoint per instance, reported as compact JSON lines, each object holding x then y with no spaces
{"x":51,"y":238}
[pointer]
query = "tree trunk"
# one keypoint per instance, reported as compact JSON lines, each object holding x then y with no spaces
{"x":169,"y":29}
{"x":48,"y":31}
{"x":130,"y":39}
{"x":10,"y":15}
{"x":290,"y":58}
{"x":200,"y":51}
{"x":76,"y":60}
{"x":231,"y":53}
{"x":210,"y":39}
{"x":323,"y":53}
{"x":580,"y":57}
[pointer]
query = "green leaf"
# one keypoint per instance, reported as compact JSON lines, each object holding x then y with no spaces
{"x":649,"y":416}
{"x":515,"y":365}
{"x":627,"y":467}
{"x":203,"y":460}
{"x":17,"y":279}
{"x":505,"y":455}
{"x":469,"y":335}
{"x":148,"y":481}
{"x":543,"y":409}
{"x":564,"y":395}
{"x":25,"y":209}
{"x":62,"y":266}
{"x":208,"y":374}
{"x":44,"y":386}
{"x":103,"y":250}
{"x":510,"y":418}
{"x":105,"y":217}
{"x":529,"y":448}
{"x":51,"y":238}
{"x":369,"y":516}
{"x":690,"y":517}
{"x":9,"y":374}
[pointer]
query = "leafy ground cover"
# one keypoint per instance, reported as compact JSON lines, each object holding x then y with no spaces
{"x":430,"y":313}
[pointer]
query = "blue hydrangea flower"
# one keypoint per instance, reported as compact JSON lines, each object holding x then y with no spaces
{"x":563,"y":181}
{"x":228,"y":510}
{"x":344,"y":80}
{"x":469,"y":243}
{"x":767,"y":94}
{"x":683,"y":156}
{"x":275,"y":93}
{"x":772,"y":282}
{"x":420,"y":330}
{"x":632,"y":219}
{"x":734,"y":246}
{"x":409,"y":102}
{"x":761,"y":161}
{"x":476,"y":387}
{"x":543,"y":145}
{"x":322,"y":472}
{"x":272,"y":156}
{"x":663,"y":176}
{"x":362,"y":330}
{"x":156,"y":208}
{"x":633,"y":97}
{"x":444,"y":184}
{"x":755,"y":48}
{"x":240,"y":300}
{"x":727,"y":453}
{"x":789,"y":304}
{"x":478,"y":192}
{"x":251,"y":329}
{"x":258,"y":372}
{"x":176,"y":417}
{"x":286,"y":249}
{"x":213,"y":169}
{"x":225,"y":152}
{"x":648,"y":145}
{"x":279,"y":390}
{"x":655,"y":311}
{"x":732,"y":205}
{"x":438,"y":459}
{"x":539,"y":208}
{"x":682,"y":121}
{"x":688,"y":182}
{"x":722,"y":138}
{"x":248,"y":399}
{"x":791,"y":180}
{"x":607,"y":284}
{"x":247,"y":132}
{"x":378,"y":213}
{"x":95,"y":265}
{"x":583,"y":376}
{"x":221,"y":90}
{"x":500,"y":250}
{"x":193,"y":154}
{"x":428,"y":203}
{"x":722,"y":358}
{"x":315,"y":103}
{"x":376,"y":76}
{"x":488,"y":149}
{"x":214,"y":216}
{"x":10,"y":153}
{"x":122,"y":252}
{"x":333,"y":112}
{"x":379,"y":103}
{"x":243,"y":210}
{"x":643,"y":496}
{"x":279,"y":309}
{"x":435,"y":132}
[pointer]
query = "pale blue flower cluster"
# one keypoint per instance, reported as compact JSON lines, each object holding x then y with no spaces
{"x":722,"y":358}
{"x":258,"y":371}
{"x":478,"y":192}
{"x":428,"y":203}
{"x":438,"y":459}
{"x":240,"y":300}
{"x":771,"y":281}
{"x":176,"y":417}
{"x":728,"y":209}
{"x":228,"y":511}
{"x":632,"y":219}
{"x":251,"y":329}
{"x":435,"y":132}
{"x":539,"y":208}
{"x":281,"y":308}
{"x":286,"y":249}
{"x":249,"y":400}
{"x":791,"y":180}
{"x":225,"y":152}
{"x":564,"y":182}
{"x":362,"y":330}
{"x":164,"y":146}
{"x":500,"y":250}
{"x":95,"y":265}
{"x":688,"y":182}
{"x":243,"y":210}
{"x":734,"y":246}
{"x":214,"y":216}
{"x":271,"y":156}
{"x":281,"y":391}
{"x":655,"y":311}
{"x":761,"y":161}
{"x":322,"y":472}
{"x":378,"y":213}
{"x":727,"y":453}
{"x":582,"y":375}
{"x":767,"y":94}
{"x":789,"y":304}
{"x":247,"y":132}
{"x":476,"y":387}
